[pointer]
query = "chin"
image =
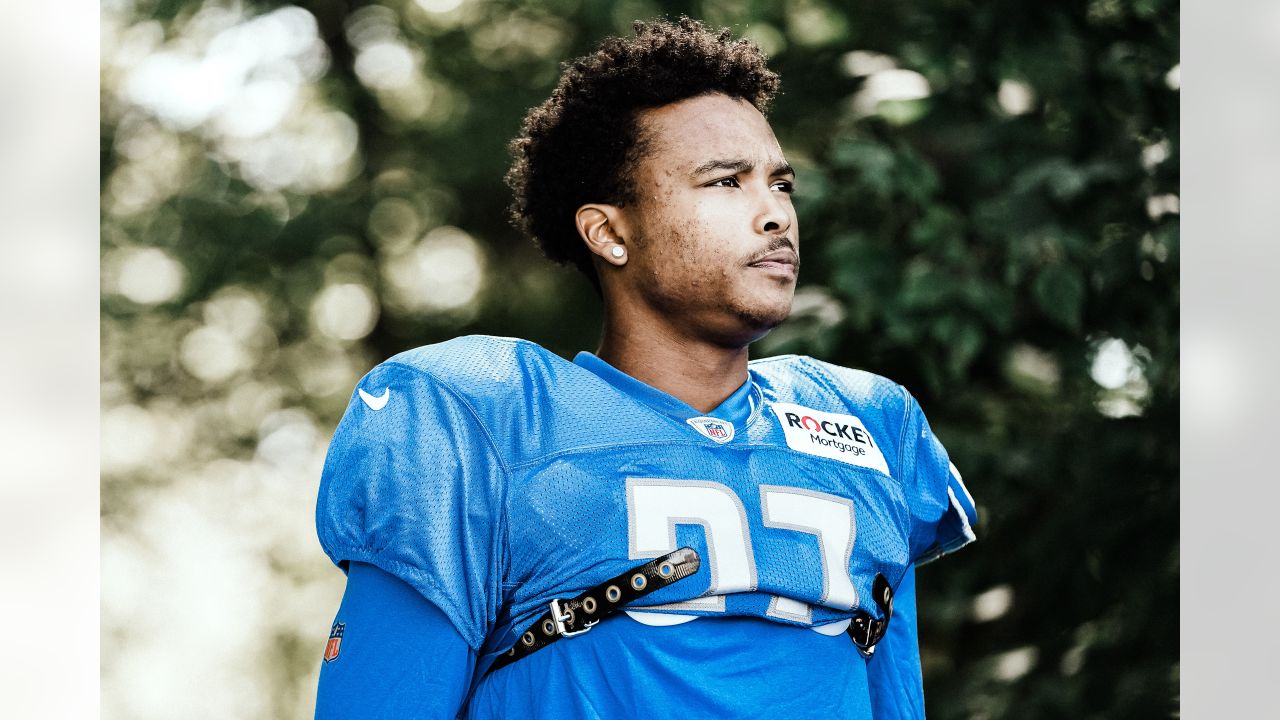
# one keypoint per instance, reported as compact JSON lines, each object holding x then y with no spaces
{"x":757,"y":319}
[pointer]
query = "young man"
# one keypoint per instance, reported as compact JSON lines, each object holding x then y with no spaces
{"x":660,"y":529}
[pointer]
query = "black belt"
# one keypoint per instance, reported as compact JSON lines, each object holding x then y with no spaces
{"x":567,"y":618}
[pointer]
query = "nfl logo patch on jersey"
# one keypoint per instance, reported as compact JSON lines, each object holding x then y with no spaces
{"x":334,"y":646}
{"x":829,"y":435}
{"x":719,"y":430}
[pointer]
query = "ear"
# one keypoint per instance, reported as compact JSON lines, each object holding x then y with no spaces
{"x":602,"y":228}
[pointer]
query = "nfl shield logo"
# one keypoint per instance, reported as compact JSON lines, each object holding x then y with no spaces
{"x":334,"y":646}
{"x":719,"y":430}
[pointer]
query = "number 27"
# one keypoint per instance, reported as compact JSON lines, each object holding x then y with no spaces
{"x":656,"y":506}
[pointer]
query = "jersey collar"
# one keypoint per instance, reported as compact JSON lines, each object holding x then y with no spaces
{"x":740,"y":408}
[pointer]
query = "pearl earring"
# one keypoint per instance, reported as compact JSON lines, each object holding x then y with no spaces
{"x":617,"y":252}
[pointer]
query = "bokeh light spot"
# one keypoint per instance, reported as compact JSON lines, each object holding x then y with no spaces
{"x":1010,"y":666}
{"x":860,"y":63}
{"x":1161,"y":205}
{"x":287,"y":437}
{"x":992,"y":604}
{"x":1033,"y":370}
{"x":445,"y":271}
{"x":386,"y":65}
{"x":885,"y":86}
{"x":1015,"y":97}
{"x":149,"y":276}
{"x":212,"y":354}
{"x":1113,"y":364}
{"x":346,"y":311}
{"x":1154,"y":154}
{"x":1118,"y":370}
{"x":439,"y":6}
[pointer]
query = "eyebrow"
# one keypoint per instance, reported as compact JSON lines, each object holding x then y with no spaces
{"x":739,"y":166}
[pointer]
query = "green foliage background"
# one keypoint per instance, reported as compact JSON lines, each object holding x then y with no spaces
{"x":1004,"y":243}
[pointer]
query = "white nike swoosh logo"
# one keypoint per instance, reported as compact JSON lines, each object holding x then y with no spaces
{"x":376,"y":403}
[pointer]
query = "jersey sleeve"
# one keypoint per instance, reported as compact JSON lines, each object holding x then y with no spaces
{"x":942,"y":511}
{"x":412,"y":485}
{"x":894,"y":678}
{"x":396,"y":654}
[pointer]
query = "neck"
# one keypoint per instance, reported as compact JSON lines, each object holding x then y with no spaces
{"x":700,"y":373}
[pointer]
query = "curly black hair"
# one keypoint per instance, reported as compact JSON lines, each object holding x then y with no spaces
{"x":582,"y":144}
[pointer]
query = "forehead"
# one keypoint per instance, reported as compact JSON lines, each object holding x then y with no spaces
{"x":687,"y":133}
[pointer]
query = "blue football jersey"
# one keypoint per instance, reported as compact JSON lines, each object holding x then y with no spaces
{"x":493,"y":476}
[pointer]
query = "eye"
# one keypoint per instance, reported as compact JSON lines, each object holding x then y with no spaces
{"x":728,"y":182}
{"x":785,"y":186}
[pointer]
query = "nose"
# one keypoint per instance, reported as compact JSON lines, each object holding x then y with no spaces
{"x":773,"y":213}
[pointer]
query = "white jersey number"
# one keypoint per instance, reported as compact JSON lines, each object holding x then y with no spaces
{"x":656,"y":506}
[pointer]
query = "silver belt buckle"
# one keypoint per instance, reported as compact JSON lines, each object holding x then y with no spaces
{"x":560,"y":618}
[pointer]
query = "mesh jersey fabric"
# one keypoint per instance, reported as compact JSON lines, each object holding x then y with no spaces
{"x":498,"y":476}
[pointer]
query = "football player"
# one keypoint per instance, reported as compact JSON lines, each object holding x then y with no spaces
{"x":661,"y":528}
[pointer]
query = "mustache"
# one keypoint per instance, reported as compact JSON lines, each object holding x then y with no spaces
{"x":775,"y":245}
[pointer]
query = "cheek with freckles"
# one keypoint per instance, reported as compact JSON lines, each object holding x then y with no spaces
{"x":695,"y":261}
{"x":687,"y":257}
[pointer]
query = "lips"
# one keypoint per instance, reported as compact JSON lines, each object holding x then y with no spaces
{"x":784,"y":260}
